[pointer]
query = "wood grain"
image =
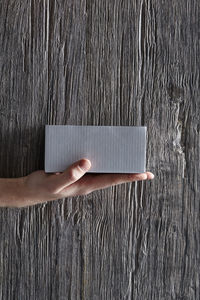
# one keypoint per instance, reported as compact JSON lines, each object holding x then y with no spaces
{"x":84,"y":62}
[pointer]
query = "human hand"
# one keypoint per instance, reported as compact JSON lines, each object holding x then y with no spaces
{"x":39,"y":187}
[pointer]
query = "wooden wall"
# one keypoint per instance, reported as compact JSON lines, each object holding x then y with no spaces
{"x":103,"y":62}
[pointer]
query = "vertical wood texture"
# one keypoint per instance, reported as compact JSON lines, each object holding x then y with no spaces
{"x":84,"y":62}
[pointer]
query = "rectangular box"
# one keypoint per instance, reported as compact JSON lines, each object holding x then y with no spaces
{"x":111,"y":149}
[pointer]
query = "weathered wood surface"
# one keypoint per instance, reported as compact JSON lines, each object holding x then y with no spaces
{"x":102,"y":63}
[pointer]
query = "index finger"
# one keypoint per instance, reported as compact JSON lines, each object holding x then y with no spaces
{"x":91,"y":182}
{"x":105,"y":180}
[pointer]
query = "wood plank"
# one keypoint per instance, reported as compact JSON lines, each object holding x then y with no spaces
{"x":102,"y":63}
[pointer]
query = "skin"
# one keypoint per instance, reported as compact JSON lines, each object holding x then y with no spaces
{"x":39,"y":187}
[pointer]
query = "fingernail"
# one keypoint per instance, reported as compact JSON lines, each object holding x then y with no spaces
{"x":151,"y":176}
{"x":85,"y":164}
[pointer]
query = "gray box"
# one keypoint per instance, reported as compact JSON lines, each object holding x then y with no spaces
{"x":111,"y":149}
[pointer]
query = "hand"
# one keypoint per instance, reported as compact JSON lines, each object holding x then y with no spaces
{"x":42,"y":187}
{"x":39,"y":187}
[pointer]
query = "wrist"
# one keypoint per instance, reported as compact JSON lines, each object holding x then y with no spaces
{"x":12,"y":192}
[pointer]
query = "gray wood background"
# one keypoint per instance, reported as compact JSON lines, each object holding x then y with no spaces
{"x":84,"y":62}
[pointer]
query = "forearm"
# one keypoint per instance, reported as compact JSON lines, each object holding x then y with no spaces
{"x":11,"y":192}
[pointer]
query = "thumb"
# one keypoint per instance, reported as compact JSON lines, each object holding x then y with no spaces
{"x":70,"y":175}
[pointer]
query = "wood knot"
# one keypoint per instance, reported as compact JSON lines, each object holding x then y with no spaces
{"x":175,"y":93}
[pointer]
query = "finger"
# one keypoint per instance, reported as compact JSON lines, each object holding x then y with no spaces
{"x":69,"y":176}
{"x":112,"y":179}
{"x":150,"y":175}
{"x":106,"y":180}
{"x":92,"y":182}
